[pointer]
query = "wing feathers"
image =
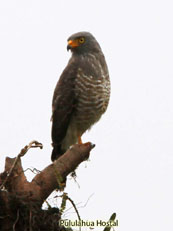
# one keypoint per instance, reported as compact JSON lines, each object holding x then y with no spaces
{"x":63,"y":106}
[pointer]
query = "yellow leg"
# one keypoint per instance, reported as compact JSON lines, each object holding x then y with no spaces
{"x":79,"y":140}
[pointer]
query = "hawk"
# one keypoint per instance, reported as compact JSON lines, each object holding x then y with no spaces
{"x":82,"y":93}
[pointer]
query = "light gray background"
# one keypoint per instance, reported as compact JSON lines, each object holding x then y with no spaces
{"x":131,"y":169}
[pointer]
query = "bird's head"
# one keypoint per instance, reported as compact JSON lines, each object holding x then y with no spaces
{"x":83,"y":42}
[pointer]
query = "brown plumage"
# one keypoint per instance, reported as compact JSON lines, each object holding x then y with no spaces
{"x":82,"y":93}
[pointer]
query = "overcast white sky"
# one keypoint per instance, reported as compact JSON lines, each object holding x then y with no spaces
{"x":131,"y":169}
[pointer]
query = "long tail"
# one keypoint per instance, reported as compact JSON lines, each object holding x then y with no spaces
{"x":57,"y":152}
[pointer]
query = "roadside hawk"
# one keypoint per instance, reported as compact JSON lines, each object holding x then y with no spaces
{"x":82,"y":93}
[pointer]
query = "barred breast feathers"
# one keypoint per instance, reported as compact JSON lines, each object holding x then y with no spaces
{"x":92,"y":85}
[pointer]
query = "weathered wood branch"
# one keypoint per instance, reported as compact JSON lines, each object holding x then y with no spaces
{"x":45,"y":182}
{"x":21,"y":201}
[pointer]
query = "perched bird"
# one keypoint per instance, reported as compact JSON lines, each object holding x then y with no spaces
{"x":82,"y":93}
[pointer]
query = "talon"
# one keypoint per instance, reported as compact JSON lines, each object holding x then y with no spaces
{"x":90,"y":144}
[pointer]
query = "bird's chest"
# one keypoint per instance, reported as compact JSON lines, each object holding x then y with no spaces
{"x":89,"y":91}
{"x":92,"y":96}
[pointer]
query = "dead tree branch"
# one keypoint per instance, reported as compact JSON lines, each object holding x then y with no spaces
{"x":45,"y":182}
{"x":32,"y":144}
{"x":21,"y":201}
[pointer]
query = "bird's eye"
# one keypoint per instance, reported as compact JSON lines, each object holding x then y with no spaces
{"x":81,"y":40}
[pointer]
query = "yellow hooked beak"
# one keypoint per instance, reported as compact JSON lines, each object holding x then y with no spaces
{"x":72,"y":44}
